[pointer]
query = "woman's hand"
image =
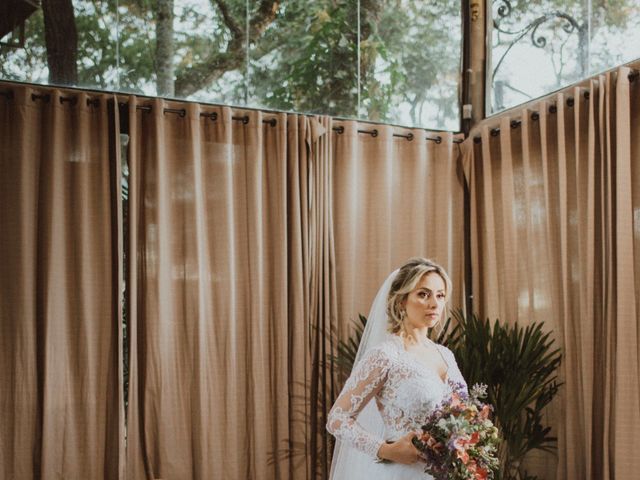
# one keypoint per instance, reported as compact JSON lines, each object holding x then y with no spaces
{"x":400,"y":451}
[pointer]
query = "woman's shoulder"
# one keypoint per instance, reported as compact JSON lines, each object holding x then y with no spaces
{"x":385,"y":350}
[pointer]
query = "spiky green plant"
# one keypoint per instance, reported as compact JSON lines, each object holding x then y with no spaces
{"x":347,"y":349}
{"x":520,"y":366}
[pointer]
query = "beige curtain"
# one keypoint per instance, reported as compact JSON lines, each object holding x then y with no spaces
{"x":321,"y":298}
{"x":555,"y":232}
{"x":394,"y":198}
{"x":222,"y":264}
{"x":61,"y":412}
{"x":243,"y":268}
{"x":239,"y":236}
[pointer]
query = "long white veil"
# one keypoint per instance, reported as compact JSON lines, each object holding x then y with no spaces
{"x":349,"y":463}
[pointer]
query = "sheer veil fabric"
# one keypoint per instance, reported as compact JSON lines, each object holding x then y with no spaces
{"x":347,"y":461}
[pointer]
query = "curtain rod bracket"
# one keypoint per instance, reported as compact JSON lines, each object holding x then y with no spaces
{"x":71,"y":100}
{"x":244,"y":119}
{"x":408,"y":136}
{"x":44,"y":97}
{"x":180,"y":111}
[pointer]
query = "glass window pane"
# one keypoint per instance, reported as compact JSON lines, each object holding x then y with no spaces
{"x":394,"y":61}
{"x":136,"y":47}
{"x":306,"y":60}
{"x":541,"y":46}
{"x":90,"y":62}
{"x":97,"y":53}
{"x":211,"y":51}
{"x":615,"y":34}
{"x":410,"y":62}
{"x":24,"y":59}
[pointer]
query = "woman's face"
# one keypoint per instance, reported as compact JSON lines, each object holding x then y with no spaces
{"x":425,"y":303}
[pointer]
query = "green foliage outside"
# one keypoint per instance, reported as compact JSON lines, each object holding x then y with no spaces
{"x":304,"y":58}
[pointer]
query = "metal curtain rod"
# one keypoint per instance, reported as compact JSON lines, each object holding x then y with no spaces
{"x":182,"y":112}
{"x":632,"y":76}
{"x":534,"y":116}
{"x":45,"y":97}
{"x":212,"y":115}
{"x":95,"y":102}
{"x":409,"y":136}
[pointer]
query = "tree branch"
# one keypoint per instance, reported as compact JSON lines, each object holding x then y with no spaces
{"x":265,"y":15}
{"x":229,"y":21}
{"x":218,"y":63}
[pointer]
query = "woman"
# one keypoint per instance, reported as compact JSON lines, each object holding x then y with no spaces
{"x":399,"y":376}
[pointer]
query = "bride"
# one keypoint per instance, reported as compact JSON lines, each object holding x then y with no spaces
{"x":399,"y":377}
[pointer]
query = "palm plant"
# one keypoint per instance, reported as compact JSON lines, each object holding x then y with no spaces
{"x":518,"y":364}
{"x":347,"y":350}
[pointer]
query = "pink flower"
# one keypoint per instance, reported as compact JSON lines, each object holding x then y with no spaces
{"x":463,"y":456}
{"x":431,"y":442}
{"x":460,"y":445}
{"x":455,"y":400}
{"x":484,"y":413}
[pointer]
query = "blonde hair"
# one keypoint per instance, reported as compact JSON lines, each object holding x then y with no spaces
{"x":405,"y":281}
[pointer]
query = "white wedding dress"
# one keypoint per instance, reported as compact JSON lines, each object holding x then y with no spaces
{"x":404,"y":392}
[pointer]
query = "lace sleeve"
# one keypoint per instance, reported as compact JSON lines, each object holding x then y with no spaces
{"x":366,"y":380}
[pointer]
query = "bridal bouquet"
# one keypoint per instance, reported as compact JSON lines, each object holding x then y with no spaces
{"x":458,"y":440}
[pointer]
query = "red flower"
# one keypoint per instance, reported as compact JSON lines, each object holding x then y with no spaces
{"x":478,"y":472}
{"x":481,"y":474}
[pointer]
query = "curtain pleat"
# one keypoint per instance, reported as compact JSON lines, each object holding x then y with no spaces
{"x":554,"y":236}
{"x":61,"y":406}
{"x":222,"y":261}
{"x":320,"y":297}
{"x":393,"y":199}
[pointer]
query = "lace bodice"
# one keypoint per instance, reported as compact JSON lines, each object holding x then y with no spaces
{"x":404,"y":390}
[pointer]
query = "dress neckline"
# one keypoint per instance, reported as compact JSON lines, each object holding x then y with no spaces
{"x":423,"y":368}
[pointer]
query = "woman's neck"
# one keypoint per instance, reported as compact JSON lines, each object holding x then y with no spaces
{"x":414,"y":336}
